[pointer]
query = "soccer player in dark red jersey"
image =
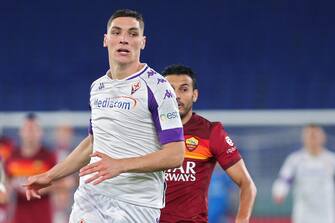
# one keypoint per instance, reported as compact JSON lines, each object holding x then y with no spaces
{"x":206,"y":143}
{"x":30,"y":158}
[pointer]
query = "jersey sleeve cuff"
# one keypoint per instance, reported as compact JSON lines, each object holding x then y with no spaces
{"x":171,"y":135}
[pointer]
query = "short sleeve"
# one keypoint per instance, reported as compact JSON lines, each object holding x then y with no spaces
{"x":165,"y":114}
{"x":282,"y":184}
{"x":222,"y":147}
{"x":287,"y":171}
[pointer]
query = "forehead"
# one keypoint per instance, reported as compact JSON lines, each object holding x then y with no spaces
{"x":125,"y":23}
{"x":313,"y":130}
{"x":179,"y":79}
{"x":30,"y":123}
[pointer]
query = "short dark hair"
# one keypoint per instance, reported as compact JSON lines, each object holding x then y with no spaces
{"x":313,"y":125}
{"x":31,"y":116}
{"x":178,"y":69}
{"x":127,"y":13}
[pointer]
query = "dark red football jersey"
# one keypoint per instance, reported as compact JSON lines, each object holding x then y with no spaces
{"x":187,"y":186}
{"x":19,"y":168}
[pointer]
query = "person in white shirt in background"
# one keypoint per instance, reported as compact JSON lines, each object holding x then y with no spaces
{"x":310,"y":172}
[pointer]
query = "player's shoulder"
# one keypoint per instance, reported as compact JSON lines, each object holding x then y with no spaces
{"x":329,"y":153}
{"x":153,"y":79}
{"x":215,"y":125}
{"x":201,"y":120}
{"x":296,"y":155}
{"x":98,"y":81}
{"x":205,"y":123}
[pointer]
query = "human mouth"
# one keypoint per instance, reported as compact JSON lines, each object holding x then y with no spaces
{"x":180,"y":105}
{"x":123,"y":51}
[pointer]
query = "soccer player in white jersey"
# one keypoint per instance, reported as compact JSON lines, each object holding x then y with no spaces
{"x":311,"y":173}
{"x":135,"y":134}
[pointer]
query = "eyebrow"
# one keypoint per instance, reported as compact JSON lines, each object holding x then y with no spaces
{"x":130,"y":29}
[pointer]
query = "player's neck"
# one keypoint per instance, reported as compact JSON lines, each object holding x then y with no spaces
{"x":122,"y":71}
{"x":187,"y":117}
{"x":315,"y":151}
{"x":29,"y":150}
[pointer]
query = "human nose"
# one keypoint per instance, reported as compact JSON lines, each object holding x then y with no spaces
{"x":124,"y":39}
{"x":178,"y":93}
{"x":177,"y":96}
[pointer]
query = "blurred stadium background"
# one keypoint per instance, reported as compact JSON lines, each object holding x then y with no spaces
{"x":264,"y":69}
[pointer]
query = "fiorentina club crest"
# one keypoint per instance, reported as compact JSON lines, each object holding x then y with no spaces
{"x":135,"y":87}
{"x":191,"y":143}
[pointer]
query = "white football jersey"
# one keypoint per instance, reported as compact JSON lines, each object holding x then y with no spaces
{"x":131,"y":118}
{"x":312,"y":178}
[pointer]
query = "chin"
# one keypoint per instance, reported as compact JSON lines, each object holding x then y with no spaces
{"x":122,"y":61}
{"x":182,"y":114}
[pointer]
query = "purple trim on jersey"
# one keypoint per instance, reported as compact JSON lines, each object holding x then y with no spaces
{"x":166,"y":136}
{"x":146,"y":67}
{"x":90,"y":130}
{"x":289,"y":181}
{"x":171,"y":135}
{"x":153,"y":108}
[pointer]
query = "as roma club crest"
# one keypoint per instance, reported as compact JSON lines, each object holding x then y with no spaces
{"x":191,"y":143}
{"x":135,"y":87}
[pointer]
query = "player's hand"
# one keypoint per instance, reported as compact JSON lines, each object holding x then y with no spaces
{"x":104,"y":169}
{"x":3,"y":197}
{"x":35,"y":184}
{"x":278,"y":199}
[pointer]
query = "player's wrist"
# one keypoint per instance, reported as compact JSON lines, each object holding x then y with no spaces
{"x":50,"y":177}
{"x":124,"y":165}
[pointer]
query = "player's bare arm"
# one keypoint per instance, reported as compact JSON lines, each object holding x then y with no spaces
{"x":240,"y":175}
{"x":170,"y":156}
{"x":280,"y":188}
{"x":79,"y":157}
{"x":3,"y":192}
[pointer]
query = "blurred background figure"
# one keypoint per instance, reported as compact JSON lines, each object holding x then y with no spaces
{"x":6,"y":148}
{"x":3,"y":194}
{"x":30,"y":158}
{"x":63,"y":190}
{"x":311,"y":173}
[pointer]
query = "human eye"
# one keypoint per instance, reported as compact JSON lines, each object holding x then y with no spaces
{"x":184,"y":89}
{"x":133,"y":34}
{"x":115,"y":32}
